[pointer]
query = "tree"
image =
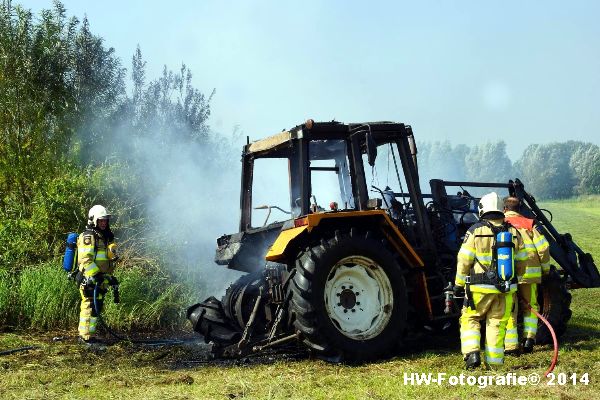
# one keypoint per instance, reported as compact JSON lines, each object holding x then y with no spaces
{"x":98,"y":84}
{"x":36,"y":99}
{"x":170,"y":108}
{"x":545,"y":170}
{"x":489,"y":163}
{"x":441,"y":160}
{"x":585,"y":162}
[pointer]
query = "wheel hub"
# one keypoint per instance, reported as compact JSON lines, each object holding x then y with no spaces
{"x":358,"y":297}
{"x":347,"y":299}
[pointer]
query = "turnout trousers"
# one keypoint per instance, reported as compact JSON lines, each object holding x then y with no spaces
{"x":87,"y":314}
{"x":494,"y":309}
{"x":528,"y":292}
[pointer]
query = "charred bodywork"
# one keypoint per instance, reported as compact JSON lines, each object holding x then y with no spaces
{"x":352,"y":281}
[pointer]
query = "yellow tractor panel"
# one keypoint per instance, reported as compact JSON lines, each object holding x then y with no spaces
{"x":278,"y":248}
{"x":309,"y":222}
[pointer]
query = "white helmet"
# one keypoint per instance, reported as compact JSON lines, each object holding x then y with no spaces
{"x":97,"y":212}
{"x":491,"y":204}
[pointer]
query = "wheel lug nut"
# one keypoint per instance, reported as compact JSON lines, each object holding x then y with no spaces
{"x":351,"y":287}
{"x":358,"y":303}
{"x":338,"y":294}
{"x":339,"y":304}
{"x":357,"y":293}
{"x":343,"y":287}
{"x":345,"y":310}
{"x":353,"y":310}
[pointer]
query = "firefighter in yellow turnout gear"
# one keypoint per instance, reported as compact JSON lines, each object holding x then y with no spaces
{"x":538,"y":264}
{"x":486,"y":297}
{"x":96,"y":256}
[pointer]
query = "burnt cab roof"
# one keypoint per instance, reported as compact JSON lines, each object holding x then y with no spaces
{"x":382,"y":131}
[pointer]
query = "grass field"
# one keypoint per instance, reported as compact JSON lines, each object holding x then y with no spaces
{"x":66,"y":370}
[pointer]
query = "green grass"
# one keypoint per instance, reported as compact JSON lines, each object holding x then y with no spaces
{"x":41,"y":298}
{"x":147,"y":302}
{"x":46,"y":299}
{"x":581,"y":218}
{"x":65,"y":370}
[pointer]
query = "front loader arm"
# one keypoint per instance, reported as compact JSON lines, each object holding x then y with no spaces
{"x":574,"y":261}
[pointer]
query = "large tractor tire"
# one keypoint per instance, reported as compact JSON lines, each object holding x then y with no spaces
{"x":349,"y":298}
{"x":210,"y":321}
{"x":554,"y":301}
{"x":239,"y":299}
{"x":223,"y":322}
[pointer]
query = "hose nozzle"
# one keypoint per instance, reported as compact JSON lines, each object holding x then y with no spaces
{"x":448,"y":298}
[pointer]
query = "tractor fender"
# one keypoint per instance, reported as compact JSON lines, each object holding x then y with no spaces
{"x":278,"y":248}
{"x":379,"y":218}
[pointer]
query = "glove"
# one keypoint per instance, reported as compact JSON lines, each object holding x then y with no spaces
{"x":112,"y":281}
{"x":459,"y":291}
{"x":90,"y":281}
{"x":116,"y":296}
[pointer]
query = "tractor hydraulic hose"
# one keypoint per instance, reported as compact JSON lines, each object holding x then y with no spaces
{"x":125,"y":338}
{"x":554,"y":339}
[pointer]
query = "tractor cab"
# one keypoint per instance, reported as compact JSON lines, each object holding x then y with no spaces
{"x":324,"y":167}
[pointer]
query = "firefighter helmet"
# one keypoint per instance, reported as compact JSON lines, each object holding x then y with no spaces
{"x":490,"y":206}
{"x":97,"y":212}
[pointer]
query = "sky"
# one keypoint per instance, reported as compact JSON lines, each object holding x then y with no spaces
{"x":465,"y":71}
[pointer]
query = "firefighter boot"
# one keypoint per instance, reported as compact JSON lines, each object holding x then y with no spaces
{"x":513,"y":352}
{"x":472,"y":360}
{"x":528,"y":345}
{"x":92,"y":343}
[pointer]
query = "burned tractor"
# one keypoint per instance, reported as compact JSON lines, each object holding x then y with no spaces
{"x":351,"y":282}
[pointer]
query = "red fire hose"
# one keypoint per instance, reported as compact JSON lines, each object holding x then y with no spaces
{"x":554,"y":339}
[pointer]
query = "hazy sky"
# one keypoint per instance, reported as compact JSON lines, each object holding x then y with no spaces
{"x":467,"y":71}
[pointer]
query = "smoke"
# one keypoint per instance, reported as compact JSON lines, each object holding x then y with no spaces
{"x":189,"y":195}
{"x":196,"y":200}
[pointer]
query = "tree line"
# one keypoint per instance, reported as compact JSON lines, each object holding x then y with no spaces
{"x":549,"y":171}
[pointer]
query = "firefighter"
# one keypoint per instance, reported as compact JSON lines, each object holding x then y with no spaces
{"x":488,"y":297}
{"x":96,"y":259}
{"x":538,"y":264}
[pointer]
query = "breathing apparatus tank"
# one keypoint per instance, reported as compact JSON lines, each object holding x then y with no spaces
{"x":70,"y":253}
{"x":505,"y":249}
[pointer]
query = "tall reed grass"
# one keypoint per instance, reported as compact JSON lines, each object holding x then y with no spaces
{"x":42,"y":298}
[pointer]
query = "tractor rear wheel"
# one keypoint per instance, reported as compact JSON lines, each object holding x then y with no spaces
{"x":223,"y":322}
{"x":349,"y":297}
{"x":210,"y":321}
{"x":239,"y":299}
{"x":554,"y":302}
